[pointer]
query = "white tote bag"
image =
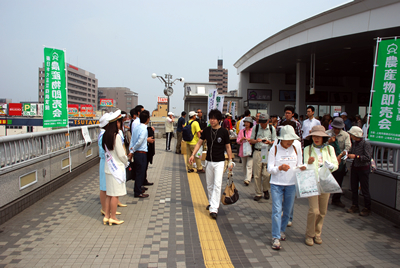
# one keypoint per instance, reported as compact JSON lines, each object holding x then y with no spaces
{"x":246,"y":149}
{"x":327,"y":182}
{"x":306,"y":184}
{"x":117,"y":173}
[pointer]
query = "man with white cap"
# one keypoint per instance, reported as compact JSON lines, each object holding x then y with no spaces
{"x":169,"y":130}
{"x":346,"y":120}
{"x":196,"y":131}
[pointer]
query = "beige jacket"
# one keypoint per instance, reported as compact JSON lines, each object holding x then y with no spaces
{"x":343,"y":139}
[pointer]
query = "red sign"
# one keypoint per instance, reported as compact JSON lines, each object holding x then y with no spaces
{"x":107,"y":102}
{"x":87,"y":110}
{"x":15,"y":109}
{"x":73,"y":67}
{"x":162,"y":100}
{"x":73,"y":110}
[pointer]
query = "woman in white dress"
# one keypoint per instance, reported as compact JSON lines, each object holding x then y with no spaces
{"x":114,"y":186}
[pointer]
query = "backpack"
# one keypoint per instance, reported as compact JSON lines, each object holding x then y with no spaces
{"x":255,"y":137}
{"x":187,"y":134}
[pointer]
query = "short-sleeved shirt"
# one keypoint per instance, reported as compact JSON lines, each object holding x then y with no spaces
{"x":195,"y":129}
{"x":217,"y":139}
{"x":181,"y":122}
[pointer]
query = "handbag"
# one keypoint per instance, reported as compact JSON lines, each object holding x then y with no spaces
{"x":230,"y":194}
{"x":246,"y":149}
{"x":327,"y":182}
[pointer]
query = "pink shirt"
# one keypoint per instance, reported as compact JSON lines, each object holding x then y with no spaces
{"x":240,"y":136}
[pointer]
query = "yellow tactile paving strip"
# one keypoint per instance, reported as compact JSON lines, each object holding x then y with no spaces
{"x":212,"y":244}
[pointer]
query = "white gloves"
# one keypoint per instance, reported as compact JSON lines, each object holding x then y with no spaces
{"x":329,"y":165}
{"x":231,"y":164}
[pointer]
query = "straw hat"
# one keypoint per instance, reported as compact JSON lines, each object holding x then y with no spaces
{"x":287,"y":133}
{"x":317,"y":131}
{"x":103,"y":121}
{"x":356,"y":132}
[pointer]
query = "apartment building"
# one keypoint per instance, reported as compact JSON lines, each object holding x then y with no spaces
{"x":219,"y":76}
{"x":82,"y":86}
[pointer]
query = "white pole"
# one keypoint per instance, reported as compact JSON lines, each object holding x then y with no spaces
{"x":66,"y":95}
{"x":378,"y":40}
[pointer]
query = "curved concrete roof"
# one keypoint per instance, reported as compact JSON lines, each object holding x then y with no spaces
{"x":356,"y":17}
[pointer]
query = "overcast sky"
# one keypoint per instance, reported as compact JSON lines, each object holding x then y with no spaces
{"x":124,"y":42}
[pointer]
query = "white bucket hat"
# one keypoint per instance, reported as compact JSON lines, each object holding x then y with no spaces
{"x":287,"y":133}
{"x":103,"y":121}
{"x":356,"y":132}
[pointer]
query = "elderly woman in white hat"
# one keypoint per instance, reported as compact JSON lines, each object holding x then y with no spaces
{"x":115,"y":171}
{"x":361,"y":152}
{"x":243,"y":137}
{"x":283,"y":158}
{"x":316,"y":155}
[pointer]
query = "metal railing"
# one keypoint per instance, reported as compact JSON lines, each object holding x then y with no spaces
{"x":16,"y":149}
{"x":387,"y":157}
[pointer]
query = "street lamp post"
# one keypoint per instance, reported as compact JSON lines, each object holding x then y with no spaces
{"x":168,"y":90}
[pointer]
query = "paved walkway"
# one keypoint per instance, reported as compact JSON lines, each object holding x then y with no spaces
{"x":169,"y":229}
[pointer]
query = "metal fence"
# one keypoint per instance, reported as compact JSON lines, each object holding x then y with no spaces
{"x":23,"y":147}
{"x":386,"y":156}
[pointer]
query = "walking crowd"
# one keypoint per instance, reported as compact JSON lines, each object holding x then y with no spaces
{"x":273,"y":152}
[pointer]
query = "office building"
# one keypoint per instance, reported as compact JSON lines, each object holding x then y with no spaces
{"x":82,"y":86}
{"x":123,"y":97}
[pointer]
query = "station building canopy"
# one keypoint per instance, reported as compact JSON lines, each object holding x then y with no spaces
{"x":343,"y":41}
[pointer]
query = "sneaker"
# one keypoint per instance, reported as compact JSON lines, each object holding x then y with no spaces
{"x":257,"y":198}
{"x":213,"y":215}
{"x":276,"y":244}
{"x":338,"y":204}
{"x":201,"y":171}
{"x":353,"y":209}
{"x":246,"y":183}
{"x":190,"y":170}
{"x":266,"y":195}
{"x":289,"y":224}
{"x":365,"y":212}
{"x":309,"y":241}
{"x":318,"y":240}
{"x":283,"y":236}
{"x":208,"y":207}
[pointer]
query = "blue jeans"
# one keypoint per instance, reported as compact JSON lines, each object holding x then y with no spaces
{"x":279,"y":193}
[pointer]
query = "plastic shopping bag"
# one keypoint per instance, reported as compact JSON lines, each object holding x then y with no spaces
{"x":246,"y":149}
{"x":199,"y":152}
{"x":306,"y":184}
{"x":264,"y":153}
{"x":327,"y":182}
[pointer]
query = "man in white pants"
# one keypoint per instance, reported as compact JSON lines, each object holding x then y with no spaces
{"x":217,"y":143}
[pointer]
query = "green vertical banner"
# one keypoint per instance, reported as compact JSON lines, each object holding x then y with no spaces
{"x":385,"y":112}
{"x":55,"y":112}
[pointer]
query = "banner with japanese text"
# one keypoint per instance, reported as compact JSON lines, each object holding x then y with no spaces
{"x":219,"y":102}
{"x":55,"y":112}
{"x":212,"y":94}
{"x":385,"y":110}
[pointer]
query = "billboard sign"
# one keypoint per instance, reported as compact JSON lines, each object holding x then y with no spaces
{"x":385,"y":109}
{"x":87,"y":110}
{"x":73,"y":110}
{"x":40,"y":107}
{"x":162,"y":99}
{"x":3,"y":108}
{"x":29,"y":109}
{"x":15,"y":109}
{"x":55,"y":89}
{"x":107,"y":102}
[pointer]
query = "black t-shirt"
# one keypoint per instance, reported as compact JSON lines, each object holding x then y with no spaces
{"x":216,"y":141}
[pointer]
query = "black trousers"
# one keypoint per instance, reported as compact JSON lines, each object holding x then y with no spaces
{"x":362,"y":177}
{"x":140,"y":171}
{"x":339,"y":175}
{"x":168,"y":141}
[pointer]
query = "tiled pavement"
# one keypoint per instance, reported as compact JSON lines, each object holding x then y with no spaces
{"x":65,"y":229}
